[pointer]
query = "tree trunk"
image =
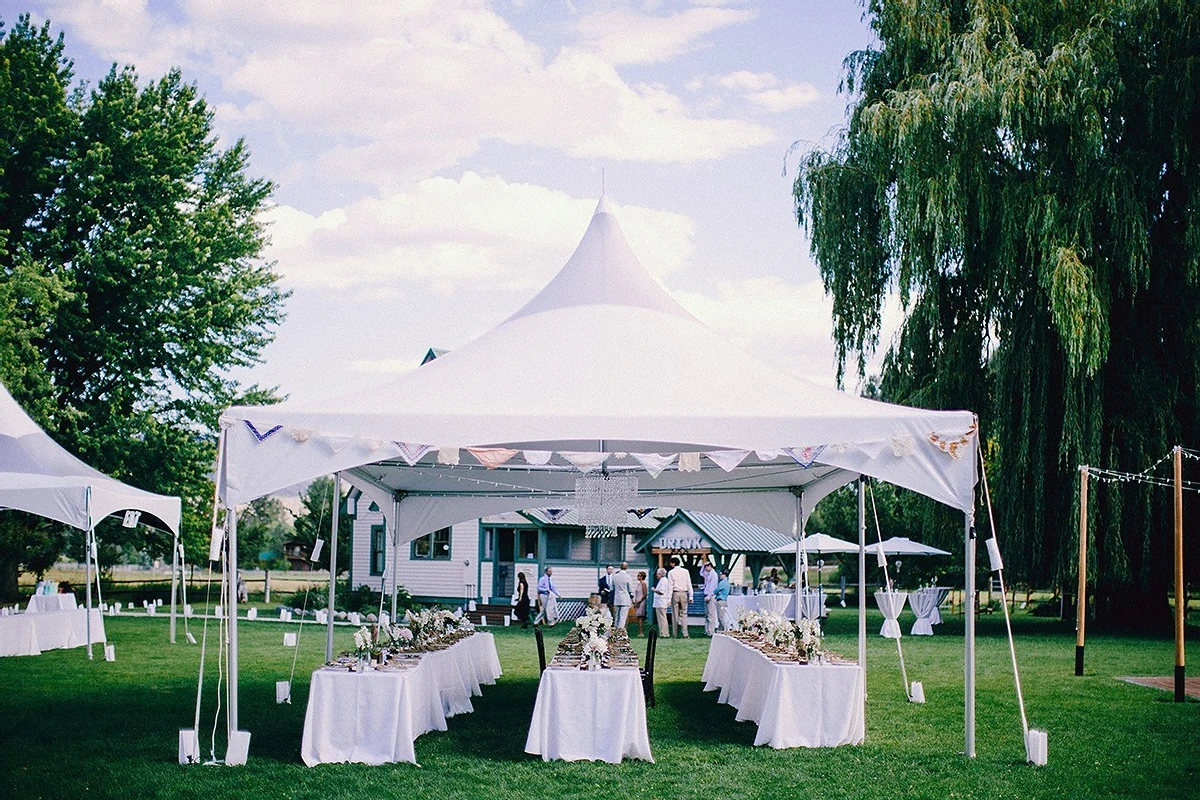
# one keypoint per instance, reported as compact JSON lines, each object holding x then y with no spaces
{"x":9,"y":573}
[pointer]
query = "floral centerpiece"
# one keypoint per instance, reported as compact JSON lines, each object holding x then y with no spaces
{"x":810,"y":639}
{"x":803,"y":639}
{"x":595,"y":622}
{"x":595,"y":647}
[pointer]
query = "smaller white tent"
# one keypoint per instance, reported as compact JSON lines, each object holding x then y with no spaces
{"x":40,"y":477}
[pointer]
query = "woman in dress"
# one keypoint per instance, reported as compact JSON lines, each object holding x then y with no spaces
{"x":522,"y":596}
{"x":640,"y":590}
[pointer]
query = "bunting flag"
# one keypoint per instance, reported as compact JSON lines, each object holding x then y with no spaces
{"x":412,"y":453}
{"x":262,"y":437}
{"x":491,"y":457}
{"x":689,"y":462}
{"x":805,"y":456}
{"x":653,"y":462}
{"x":727,"y":460}
{"x":768,"y":455}
{"x":537,"y":458}
{"x":555,"y":514}
{"x":448,"y":456}
{"x":903,"y":446}
{"x":336,"y":444}
{"x":951,"y":446}
{"x":299,"y":434}
{"x":641,"y":513}
{"x":585,"y":462}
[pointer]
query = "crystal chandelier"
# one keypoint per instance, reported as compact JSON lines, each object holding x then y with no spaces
{"x":604,"y":500}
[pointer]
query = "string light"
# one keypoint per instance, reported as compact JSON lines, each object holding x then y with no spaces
{"x":1145,"y":477}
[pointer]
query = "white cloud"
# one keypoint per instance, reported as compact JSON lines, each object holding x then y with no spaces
{"x":761,"y":89}
{"x":396,"y":92}
{"x":785,"y":323}
{"x":627,"y":37}
{"x":788,"y":98}
{"x":476,"y":232}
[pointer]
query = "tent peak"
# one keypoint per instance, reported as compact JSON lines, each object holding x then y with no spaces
{"x":603,"y":271}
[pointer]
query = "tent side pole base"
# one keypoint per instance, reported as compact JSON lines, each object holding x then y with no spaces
{"x":231,"y":684}
{"x":969,"y":656}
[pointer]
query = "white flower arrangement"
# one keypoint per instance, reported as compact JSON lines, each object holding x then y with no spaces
{"x":364,"y":643}
{"x":595,"y":644}
{"x":595,"y":622}
{"x":810,"y":638}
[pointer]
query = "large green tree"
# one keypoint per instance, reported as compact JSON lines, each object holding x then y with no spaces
{"x":1027,"y":176}
{"x":130,"y":272}
{"x":315,"y":520}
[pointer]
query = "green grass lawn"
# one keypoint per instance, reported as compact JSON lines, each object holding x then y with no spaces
{"x":71,"y":728}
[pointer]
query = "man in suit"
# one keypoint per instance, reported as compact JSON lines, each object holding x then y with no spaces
{"x":622,"y":594}
{"x":606,"y":587}
{"x":681,"y":595}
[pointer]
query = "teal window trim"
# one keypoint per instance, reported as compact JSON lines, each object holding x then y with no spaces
{"x":378,"y":555}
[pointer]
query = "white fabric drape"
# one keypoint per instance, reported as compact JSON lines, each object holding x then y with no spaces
{"x":582,"y":715}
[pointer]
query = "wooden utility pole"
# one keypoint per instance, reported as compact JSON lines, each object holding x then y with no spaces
{"x":1180,"y":598}
{"x":1081,"y":601}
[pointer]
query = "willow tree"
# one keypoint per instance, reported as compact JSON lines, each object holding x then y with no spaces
{"x":1026,"y":176}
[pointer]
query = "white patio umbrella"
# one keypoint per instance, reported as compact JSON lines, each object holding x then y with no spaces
{"x":903,"y":546}
{"x":819,"y":543}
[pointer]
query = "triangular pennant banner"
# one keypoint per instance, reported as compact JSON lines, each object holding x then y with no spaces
{"x":641,"y":513}
{"x":555,"y":514}
{"x":805,"y":456}
{"x":491,"y":457}
{"x":448,"y":456}
{"x":585,"y":462}
{"x":727,"y":460}
{"x":262,"y":437}
{"x":336,"y":443}
{"x":768,"y":455}
{"x":412,"y":453}
{"x":689,"y":462}
{"x":653,"y":462}
{"x":537,"y":458}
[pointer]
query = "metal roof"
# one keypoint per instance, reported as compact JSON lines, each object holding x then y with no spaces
{"x":734,"y":535}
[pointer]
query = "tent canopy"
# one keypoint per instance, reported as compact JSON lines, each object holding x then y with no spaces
{"x":39,"y":476}
{"x":618,"y":377}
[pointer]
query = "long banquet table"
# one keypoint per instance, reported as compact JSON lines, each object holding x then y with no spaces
{"x":375,"y":717}
{"x":30,"y":634}
{"x":794,"y":705}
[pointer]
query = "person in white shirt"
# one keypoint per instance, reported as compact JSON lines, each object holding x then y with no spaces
{"x":622,"y":594}
{"x":681,"y":595}
{"x":662,"y":600}
{"x":709,"y":576}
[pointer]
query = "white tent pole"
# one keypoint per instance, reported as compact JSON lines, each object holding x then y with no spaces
{"x":174,"y":582}
{"x":336,"y":501}
{"x":87,"y":541}
{"x":798,"y":535}
{"x":395,"y":552}
{"x":231,"y":685}
{"x":862,"y":578}
{"x":969,"y":656}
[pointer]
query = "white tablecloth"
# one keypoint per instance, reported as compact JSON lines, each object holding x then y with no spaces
{"x":813,"y":604}
{"x":795,"y":705}
{"x":375,"y":717}
{"x":755,"y":602}
{"x":30,"y":634}
{"x":925,"y":603}
{"x":582,"y":715}
{"x":891,"y":604}
{"x":51,"y":602}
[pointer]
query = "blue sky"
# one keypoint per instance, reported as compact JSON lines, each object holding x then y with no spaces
{"x":437,"y":161}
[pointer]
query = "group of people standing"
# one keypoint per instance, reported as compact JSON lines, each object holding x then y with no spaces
{"x":627,"y":597}
{"x":673,"y":592}
{"x":624,"y":595}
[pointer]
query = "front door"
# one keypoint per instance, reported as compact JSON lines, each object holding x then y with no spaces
{"x":505,"y":578}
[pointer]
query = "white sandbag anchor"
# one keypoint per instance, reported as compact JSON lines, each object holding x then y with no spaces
{"x":1036,"y":745}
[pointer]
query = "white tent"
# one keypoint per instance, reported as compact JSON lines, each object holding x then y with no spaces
{"x":819,"y":543}
{"x":40,"y":477}
{"x":625,"y":382}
